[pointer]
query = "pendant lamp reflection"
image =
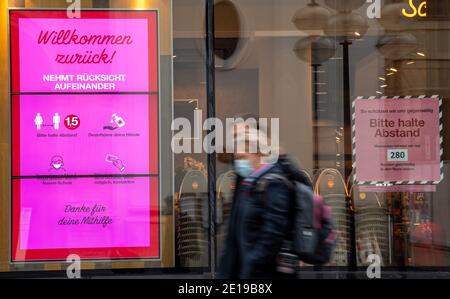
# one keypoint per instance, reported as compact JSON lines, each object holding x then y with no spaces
{"x":312,"y":17}
{"x":347,"y":24}
{"x":392,"y":18}
{"x":397,"y":45}
{"x":345,"y":5}
{"x":315,"y":50}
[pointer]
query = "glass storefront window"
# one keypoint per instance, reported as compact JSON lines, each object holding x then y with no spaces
{"x":304,"y":63}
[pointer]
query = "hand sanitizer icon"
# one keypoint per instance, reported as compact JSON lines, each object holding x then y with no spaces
{"x":117,"y":120}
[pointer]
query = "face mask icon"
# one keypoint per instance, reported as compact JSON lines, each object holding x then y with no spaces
{"x":57,"y":164}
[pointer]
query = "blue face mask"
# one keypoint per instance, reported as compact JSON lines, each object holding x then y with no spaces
{"x":243,"y":168}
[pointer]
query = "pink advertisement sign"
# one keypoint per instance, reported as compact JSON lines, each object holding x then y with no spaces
{"x":94,"y":218}
{"x":101,"y":52}
{"x":85,"y":135}
{"x":397,"y":141}
{"x":79,"y":134}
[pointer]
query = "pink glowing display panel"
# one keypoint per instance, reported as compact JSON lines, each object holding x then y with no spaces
{"x":85,"y":177}
{"x":101,"y":51}
{"x":98,"y":137}
{"x":397,"y":141}
{"x":94,"y":218}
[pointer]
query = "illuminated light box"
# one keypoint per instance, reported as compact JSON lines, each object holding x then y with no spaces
{"x":83,"y":132}
{"x":104,"y":51}
{"x":101,"y":217}
{"x":85,"y":135}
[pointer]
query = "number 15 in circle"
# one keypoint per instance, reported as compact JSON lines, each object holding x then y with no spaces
{"x":72,"y":122}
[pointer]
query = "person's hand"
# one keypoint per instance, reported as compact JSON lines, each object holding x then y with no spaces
{"x":118,"y":163}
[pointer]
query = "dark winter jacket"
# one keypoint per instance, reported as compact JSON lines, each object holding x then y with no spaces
{"x":259,"y":223}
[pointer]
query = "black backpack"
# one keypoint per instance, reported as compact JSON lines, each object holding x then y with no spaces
{"x":313,"y":235}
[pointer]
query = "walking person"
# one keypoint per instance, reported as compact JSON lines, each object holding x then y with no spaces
{"x":261,"y":216}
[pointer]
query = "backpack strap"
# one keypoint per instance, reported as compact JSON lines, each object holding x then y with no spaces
{"x":287,"y":259}
{"x":262,"y":182}
{"x":302,"y":197}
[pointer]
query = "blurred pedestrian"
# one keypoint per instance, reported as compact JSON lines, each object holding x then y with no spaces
{"x":261,"y":216}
